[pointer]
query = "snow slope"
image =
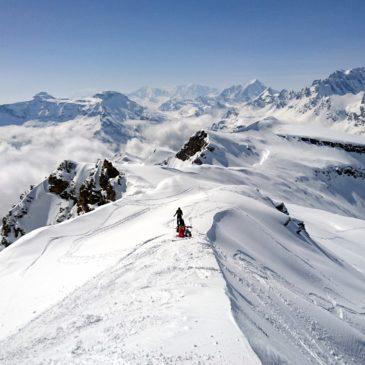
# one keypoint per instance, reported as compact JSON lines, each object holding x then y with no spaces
{"x":253,"y":285}
{"x":274,"y":188}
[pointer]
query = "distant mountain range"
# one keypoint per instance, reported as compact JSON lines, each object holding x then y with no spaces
{"x":117,"y":107}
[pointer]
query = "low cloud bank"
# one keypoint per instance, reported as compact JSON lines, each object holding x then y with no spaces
{"x":28,"y":154}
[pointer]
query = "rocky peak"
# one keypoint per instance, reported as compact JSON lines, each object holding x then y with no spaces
{"x":72,"y":189}
{"x":195,"y":148}
{"x":341,"y":83}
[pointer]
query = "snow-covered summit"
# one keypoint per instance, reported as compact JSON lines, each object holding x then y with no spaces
{"x":43,"y":95}
{"x":242,"y":93}
{"x":341,"y":83}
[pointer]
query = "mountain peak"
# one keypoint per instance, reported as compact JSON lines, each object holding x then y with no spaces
{"x":43,"y":95}
{"x":192,"y":91}
{"x":243,"y":93}
{"x":254,"y":82}
{"x":341,"y":82}
{"x":109,"y":94}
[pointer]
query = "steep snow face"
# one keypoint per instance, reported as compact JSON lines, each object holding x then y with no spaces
{"x":71,"y":190}
{"x":242,"y":93}
{"x":287,"y":291}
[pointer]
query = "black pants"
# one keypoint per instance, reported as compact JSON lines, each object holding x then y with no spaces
{"x":180,"y":221}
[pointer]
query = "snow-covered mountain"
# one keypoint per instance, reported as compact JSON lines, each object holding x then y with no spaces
{"x":71,"y":190}
{"x":170,"y":99}
{"x":242,"y":93}
{"x":272,"y":184}
{"x":340,"y":98}
{"x":341,"y":83}
{"x":192,"y":91}
{"x":150,"y":94}
{"x":180,"y":92}
{"x":45,"y":108}
{"x":274,"y":272}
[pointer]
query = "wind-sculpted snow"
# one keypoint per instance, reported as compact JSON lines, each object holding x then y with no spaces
{"x":124,"y":288}
{"x":296,"y":302}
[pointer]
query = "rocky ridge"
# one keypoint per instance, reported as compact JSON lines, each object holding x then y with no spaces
{"x":71,"y":190}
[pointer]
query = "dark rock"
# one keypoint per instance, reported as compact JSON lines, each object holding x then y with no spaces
{"x":195,"y":144}
{"x":57,"y":185}
{"x":348,"y":147}
{"x":282,"y":208}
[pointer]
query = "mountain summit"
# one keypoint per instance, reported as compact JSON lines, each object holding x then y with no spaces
{"x":242,"y":93}
{"x":341,"y":83}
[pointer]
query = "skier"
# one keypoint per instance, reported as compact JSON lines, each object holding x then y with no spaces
{"x":179,"y":214}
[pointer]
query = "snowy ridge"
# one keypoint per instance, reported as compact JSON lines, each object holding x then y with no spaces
{"x":274,"y":189}
{"x":259,"y":282}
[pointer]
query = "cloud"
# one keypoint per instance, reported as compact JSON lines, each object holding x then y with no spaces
{"x":174,"y":133}
{"x":29,"y":154}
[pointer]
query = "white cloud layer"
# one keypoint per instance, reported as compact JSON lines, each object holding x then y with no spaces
{"x":28,"y":154}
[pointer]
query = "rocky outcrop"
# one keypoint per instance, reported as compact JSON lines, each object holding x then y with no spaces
{"x":346,"y":171}
{"x":72,"y":189}
{"x":196,"y":144}
{"x":282,"y":208}
{"x":348,"y":147}
{"x":99,"y":189}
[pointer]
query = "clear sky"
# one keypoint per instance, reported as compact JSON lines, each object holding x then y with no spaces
{"x":77,"y":47}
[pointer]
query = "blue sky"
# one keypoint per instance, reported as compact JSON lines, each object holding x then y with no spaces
{"x":76,"y":47}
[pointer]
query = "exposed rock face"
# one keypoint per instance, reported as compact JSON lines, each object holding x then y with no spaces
{"x":348,"y":147}
{"x":61,"y":181}
{"x":349,"y":171}
{"x":282,"y":208}
{"x":100,"y":188}
{"x":297,"y":227}
{"x":196,"y":143}
{"x":71,"y":190}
